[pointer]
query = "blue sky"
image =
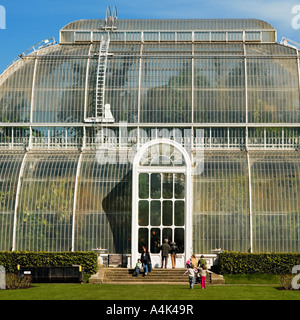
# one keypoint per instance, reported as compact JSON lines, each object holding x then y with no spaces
{"x":29,"y":22}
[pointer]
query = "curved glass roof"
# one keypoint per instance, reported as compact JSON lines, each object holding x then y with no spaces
{"x":155,"y":83}
{"x":172,"y":24}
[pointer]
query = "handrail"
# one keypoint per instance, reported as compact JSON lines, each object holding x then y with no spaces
{"x":41,"y":45}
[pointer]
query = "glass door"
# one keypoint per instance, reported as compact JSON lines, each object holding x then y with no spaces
{"x":161,"y":210}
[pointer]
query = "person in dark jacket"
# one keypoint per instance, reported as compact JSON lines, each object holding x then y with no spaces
{"x":146,"y":260}
{"x":173,"y":252}
{"x":165,"y":249}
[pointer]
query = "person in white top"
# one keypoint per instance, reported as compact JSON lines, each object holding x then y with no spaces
{"x":191,"y":272}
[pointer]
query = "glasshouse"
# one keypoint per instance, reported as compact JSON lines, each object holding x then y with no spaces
{"x":129,"y":131}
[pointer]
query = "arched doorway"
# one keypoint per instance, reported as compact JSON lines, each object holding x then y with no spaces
{"x":161,"y":200}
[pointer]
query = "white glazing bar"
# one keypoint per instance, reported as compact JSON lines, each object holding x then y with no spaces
{"x":30,"y":138}
{"x":140,"y":82}
{"x":193,"y":77}
{"x":250,"y":205}
{"x":87,"y":82}
{"x":246,"y":93}
{"x":84,"y":138}
{"x":74,"y":201}
{"x":33,"y":87}
{"x":32,"y":100}
{"x":298,"y":70}
{"x":17,"y":202}
{"x":228,"y":138}
{"x":12,"y":137}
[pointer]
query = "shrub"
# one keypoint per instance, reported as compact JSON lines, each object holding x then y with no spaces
{"x":286,"y":281}
{"x":263,"y":263}
{"x":11,"y":259}
{"x":15,"y":281}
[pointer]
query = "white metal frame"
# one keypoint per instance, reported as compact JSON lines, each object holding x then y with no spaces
{"x":188,"y":194}
{"x":140,"y":38}
{"x":75,"y":199}
{"x":17,"y":201}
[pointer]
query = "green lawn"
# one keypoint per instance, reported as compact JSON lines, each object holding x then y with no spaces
{"x":242,"y":287}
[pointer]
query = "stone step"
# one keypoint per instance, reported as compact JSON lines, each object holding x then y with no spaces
{"x":157,"y":275}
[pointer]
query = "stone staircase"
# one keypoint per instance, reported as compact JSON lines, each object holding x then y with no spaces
{"x":156,"y":276}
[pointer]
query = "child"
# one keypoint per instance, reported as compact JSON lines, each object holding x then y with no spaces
{"x":191,"y":272}
{"x":138,"y":267}
{"x":203,"y":270}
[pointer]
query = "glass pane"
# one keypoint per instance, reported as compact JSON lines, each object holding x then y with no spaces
{"x":167,"y":36}
{"x":143,"y":185}
{"x":155,"y":185}
{"x":167,"y":185}
{"x":133,"y":36}
{"x":272,"y":81}
{"x":222,"y":222}
{"x":143,"y":239}
{"x":179,"y":239}
{"x":59,"y":89}
{"x":167,"y":213}
{"x":184,"y":36}
{"x":179,"y":213}
{"x":218,"y":36}
{"x":201,"y":36}
{"x":155,"y":213}
{"x":166,"y":93}
{"x":275,"y":197}
{"x":155,"y":240}
{"x":151,"y":36}
{"x":122,"y":75}
{"x":46,"y":202}
{"x":179,"y":185}
{"x":103,"y":207}
{"x":213,"y":104}
{"x":167,"y":234}
{"x":9,"y":170}
{"x":16,"y":89}
{"x":268,"y":36}
{"x":143,"y":213}
{"x":235,"y":36}
{"x":252,"y":35}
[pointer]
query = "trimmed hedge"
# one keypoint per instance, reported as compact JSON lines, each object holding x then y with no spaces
{"x":263,"y":263}
{"x":11,"y":259}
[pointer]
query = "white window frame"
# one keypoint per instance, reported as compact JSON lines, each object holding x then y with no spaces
{"x":169,"y":169}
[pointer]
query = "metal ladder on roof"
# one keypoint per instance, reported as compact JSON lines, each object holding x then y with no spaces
{"x":102,"y":110}
{"x":101,"y":71}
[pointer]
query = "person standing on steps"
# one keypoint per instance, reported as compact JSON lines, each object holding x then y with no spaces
{"x":165,"y":249}
{"x":173,"y":252}
{"x":193,"y":261}
{"x":146,"y":260}
{"x":201,"y":261}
